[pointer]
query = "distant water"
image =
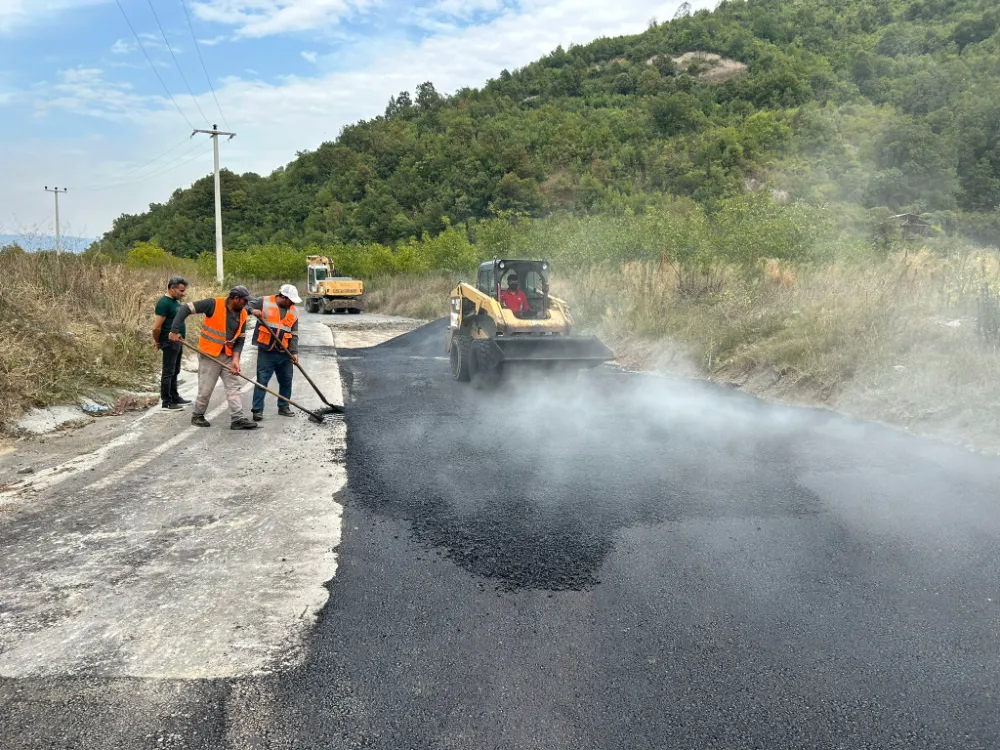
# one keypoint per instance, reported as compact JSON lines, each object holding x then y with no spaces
{"x":45,"y":242}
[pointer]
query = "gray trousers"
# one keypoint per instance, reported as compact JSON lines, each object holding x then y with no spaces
{"x":208,"y":375}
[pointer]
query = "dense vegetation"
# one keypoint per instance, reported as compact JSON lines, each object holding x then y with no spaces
{"x":861,"y":109}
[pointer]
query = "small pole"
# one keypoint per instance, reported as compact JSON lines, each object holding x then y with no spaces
{"x":215,"y":133}
{"x":56,"y":191}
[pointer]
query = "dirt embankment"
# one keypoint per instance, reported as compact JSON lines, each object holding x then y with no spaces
{"x":75,"y":333}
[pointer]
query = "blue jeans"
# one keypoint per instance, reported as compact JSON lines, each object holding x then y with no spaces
{"x":268,"y":364}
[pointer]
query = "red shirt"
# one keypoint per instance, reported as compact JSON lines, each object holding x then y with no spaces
{"x":514,"y":301}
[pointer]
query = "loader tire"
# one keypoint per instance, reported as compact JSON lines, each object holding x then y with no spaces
{"x":486,"y":365}
{"x":461,"y":357}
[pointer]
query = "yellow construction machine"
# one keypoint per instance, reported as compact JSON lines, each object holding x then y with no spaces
{"x":326,"y":292}
{"x":509,"y":319}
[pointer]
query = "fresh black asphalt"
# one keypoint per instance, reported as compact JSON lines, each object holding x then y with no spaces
{"x":619,"y":561}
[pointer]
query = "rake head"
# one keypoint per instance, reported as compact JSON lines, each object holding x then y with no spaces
{"x":326,"y":414}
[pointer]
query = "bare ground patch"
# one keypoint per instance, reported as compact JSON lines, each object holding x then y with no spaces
{"x":364,"y":334}
{"x":713,"y":68}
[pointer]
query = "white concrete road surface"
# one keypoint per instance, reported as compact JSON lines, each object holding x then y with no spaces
{"x":145,"y":547}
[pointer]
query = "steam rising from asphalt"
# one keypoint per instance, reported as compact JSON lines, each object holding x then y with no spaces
{"x":531,"y":484}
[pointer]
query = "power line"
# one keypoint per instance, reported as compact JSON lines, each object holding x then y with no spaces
{"x":203,"y":67}
{"x":161,"y":170}
{"x":159,"y":173}
{"x":171,"y":50}
{"x":175,"y":162}
{"x":151,"y":65}
{"x":117,"y":179}
{"x":164,"y":168}
{"x":141,"y":166}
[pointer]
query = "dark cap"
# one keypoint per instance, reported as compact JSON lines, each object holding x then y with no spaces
{"x":240,"y":291}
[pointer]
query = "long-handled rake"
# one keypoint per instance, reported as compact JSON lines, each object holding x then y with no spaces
{"x":317,"y":416}
{"x":335,"y":409}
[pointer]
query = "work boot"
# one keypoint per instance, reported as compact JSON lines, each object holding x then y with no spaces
{"x":243,"y":424}
{"x":171,"y":406}
{"x":285,"y":412}
{"x":257,"y":415}
{"x":198,"y":420}
{"x":180,"y":400}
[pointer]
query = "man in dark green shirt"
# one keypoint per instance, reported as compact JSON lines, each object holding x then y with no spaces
{"x":166,"y":309}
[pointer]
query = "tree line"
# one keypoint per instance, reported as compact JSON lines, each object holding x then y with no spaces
{"x":864,"y":109}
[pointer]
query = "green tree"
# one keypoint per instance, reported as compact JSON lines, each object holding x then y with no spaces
{"x":676,"y":113}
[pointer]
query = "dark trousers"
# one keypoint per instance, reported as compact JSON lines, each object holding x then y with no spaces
{"x":171,"y":370}
{"x":268,"y":364}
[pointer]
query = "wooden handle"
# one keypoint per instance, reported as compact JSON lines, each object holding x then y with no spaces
{"x":249,"y":380}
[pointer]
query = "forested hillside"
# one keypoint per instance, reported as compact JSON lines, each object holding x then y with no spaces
{"x":869,"y":107}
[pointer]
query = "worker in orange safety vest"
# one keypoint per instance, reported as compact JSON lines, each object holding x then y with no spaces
{"x":276,"y":357}
{"x":220,"y":344}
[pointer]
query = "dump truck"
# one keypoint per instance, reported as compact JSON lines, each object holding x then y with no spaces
{"x":493,"y":330}
{"x":326,"y":292}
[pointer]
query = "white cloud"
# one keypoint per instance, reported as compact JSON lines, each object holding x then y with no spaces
{"x":155,"y":41}
{"x":259,"y":18}
{"x":448,"y":16}
{"x":274,"y":120}
{"x":309,"y":56}
{"x":466,"y":8}
{"x":212,"y":42}
{"x":7,"y":90}
{"x":87,"y":91}
{"x":15,"y":14}
{"x":121,"y":47}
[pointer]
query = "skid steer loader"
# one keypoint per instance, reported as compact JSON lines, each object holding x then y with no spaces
{"x":493,"y":329}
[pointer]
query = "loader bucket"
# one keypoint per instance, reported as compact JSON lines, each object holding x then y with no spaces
{"x":581,"y":351}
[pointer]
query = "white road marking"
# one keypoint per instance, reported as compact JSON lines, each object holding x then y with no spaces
{"x":75,"y":466}
{"x":53,"y":475}
{"x":154,"y":453}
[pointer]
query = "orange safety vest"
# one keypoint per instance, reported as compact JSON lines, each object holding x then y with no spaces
{"x":213,"y":339}
{"x":274,"y":319}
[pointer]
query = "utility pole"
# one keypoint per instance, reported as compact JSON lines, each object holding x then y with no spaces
{"x":215,"y":133}
{"x":56,"y":191}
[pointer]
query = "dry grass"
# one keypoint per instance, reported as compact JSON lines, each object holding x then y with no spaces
{"x":421,"y":296}
{"x":71,"y":326}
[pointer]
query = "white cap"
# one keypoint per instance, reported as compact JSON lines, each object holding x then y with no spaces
{"x":289,"y":290}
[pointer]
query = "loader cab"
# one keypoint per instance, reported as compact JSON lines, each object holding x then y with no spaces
{"x":533,"y":277}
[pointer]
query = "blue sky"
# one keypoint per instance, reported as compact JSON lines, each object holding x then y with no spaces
{"x":81,"y":107}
